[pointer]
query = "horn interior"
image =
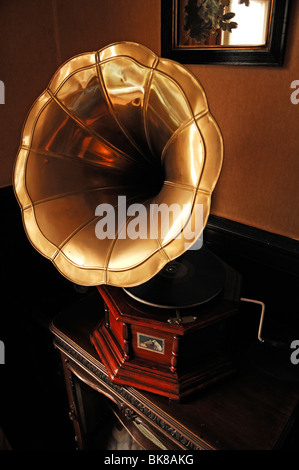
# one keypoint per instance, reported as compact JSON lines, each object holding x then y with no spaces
{"x":116,"y":122}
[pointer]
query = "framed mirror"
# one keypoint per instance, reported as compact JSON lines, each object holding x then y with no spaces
{"x":237,"y":32}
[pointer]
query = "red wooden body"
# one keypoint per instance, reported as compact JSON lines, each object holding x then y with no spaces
{"x":141,"y":348}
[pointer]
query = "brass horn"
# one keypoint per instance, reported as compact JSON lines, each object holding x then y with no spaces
{"x":113,"y":125}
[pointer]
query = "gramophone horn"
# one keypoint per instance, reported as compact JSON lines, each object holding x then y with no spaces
{"x":113,"y":127}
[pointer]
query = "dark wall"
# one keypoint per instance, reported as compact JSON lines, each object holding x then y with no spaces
{"x":33,"y":403}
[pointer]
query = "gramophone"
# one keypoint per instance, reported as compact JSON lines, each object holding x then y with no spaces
{"x":114,"y":176}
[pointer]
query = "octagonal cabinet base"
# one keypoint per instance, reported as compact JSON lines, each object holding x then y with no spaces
{"x":153,"y":349}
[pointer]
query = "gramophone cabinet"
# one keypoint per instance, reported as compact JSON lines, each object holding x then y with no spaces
{"x":149,"y":348}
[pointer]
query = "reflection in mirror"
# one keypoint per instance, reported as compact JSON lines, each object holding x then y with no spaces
{"x":253,"y":24}
{"x":223,"y":23}
{"x":236,"y":32}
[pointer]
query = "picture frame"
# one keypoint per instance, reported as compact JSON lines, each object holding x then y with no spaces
{"x":271,"y":53}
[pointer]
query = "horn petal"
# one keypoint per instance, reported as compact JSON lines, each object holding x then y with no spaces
{"x":113,"y":125}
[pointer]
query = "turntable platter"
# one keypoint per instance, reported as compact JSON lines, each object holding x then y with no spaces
{"x":194,"y":278}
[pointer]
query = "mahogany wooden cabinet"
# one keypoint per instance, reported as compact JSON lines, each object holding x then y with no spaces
{"x":250,"y":410}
